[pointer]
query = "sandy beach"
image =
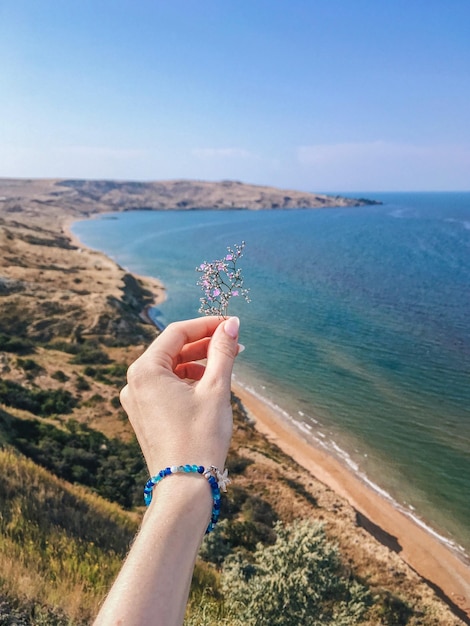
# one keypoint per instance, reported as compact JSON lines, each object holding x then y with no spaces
{"x":425,"y":553}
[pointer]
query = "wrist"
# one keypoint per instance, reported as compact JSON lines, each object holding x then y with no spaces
{"x":216,"y":480}
{"x":182,"y":499}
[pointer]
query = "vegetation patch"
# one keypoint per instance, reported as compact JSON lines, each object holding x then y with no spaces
{"x":42,"y":402}
{"x":90,"y":354}
{"x":111,"y":467}
{"x":111,"y":375}
{"x":15,"y":344}
{"x":297,"y":580}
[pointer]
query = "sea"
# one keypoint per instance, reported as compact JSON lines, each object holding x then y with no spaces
{"x":358,"y":329}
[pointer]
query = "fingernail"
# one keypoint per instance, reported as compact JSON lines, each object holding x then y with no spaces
{"x":241,"y":348}
{"x":232,"y":326}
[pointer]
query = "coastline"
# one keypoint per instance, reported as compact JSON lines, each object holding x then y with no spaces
{"x":425,"y":553}
{"x":157,"y":288}
{"x":436,"y":563}
{"x":46,"y":263}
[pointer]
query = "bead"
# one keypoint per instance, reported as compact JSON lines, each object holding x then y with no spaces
{"x":212,"y":475}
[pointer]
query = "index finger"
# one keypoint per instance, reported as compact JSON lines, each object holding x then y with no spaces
{"x":171,"y":341}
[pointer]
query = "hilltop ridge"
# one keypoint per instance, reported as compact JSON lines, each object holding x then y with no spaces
{"x":97,"y":196}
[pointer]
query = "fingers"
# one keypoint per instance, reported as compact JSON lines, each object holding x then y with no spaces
{"x":198,"y":350}
{"x":192,"y":371}
{"x":223,"y":349}
{"x":182,"y":344}
{"x":194,"y":351}
{"x":168,"y":346}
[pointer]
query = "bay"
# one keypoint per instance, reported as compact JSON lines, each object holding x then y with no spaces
{"x":357,"y":331}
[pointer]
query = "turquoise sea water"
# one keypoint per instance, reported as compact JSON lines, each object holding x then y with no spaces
{"x":358,"y":329}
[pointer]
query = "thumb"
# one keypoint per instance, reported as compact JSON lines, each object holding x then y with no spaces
{"x":223,"y":349}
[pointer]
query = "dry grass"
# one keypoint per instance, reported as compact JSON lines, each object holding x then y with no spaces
{"x":59,"y":545}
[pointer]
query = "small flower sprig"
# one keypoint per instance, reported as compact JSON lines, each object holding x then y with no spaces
{"x":220,"y":281}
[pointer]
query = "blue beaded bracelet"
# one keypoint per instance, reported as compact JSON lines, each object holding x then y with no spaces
{"x":216,"y":479}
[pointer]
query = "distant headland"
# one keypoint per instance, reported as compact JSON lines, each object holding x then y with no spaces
{"x":97,"y":196}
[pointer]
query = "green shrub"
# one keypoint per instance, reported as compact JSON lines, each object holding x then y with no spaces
{"x":17,"y":345}
{"x":90,"y":354}
{"x":256,"y":509}
{"x":95,"y":399}
{"x":13,"y":322}
{"x":117,"y":370}
{"x":394,"y":612}
{"x":29,"y":365}
{"x":114,"y":374}
{"x":233,"y":501}
{"x":81,"y":384}
{"x":29,"y":614}
{"x":62,"y":346}
{"x":42,"y":402}
{"x":55,"y":401}
{"x":60,"y":376}
{"x":235,"y":534}
{"x":247,"y":534}
{"x":30,"y":368}
{"x":215,"y":547}
{"x":115,"y":402}
{"x":298,"y":580}
{"x":236,"y":464}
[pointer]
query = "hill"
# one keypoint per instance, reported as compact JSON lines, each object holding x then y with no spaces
{"x":91,"y":196}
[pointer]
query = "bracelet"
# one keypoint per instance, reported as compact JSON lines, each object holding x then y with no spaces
{"x":217,"y":480}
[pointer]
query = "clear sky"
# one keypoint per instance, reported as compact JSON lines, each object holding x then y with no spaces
{"x":318,"y":95}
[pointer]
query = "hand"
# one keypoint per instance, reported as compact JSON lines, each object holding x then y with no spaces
{"x":178,"y":407}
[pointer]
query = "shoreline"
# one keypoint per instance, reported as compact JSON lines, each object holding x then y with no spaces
{"x":156,"y":286}
{"x":426,"y":554}
{"x":340,"y":453}
{"x":436,"y":563}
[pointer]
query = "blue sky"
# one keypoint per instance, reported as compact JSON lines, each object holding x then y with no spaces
{"x":318,"y":95}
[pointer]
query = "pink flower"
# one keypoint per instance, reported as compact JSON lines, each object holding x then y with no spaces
{"x":220,"y":281}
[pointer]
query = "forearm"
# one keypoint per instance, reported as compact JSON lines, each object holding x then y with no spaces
{"x":153,"y":585}
{"x":180,"y":411}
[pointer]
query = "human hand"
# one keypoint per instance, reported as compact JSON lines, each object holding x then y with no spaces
{"x":178,"y":407}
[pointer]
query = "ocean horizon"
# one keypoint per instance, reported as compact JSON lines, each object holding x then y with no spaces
{"x":357,"y":331}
